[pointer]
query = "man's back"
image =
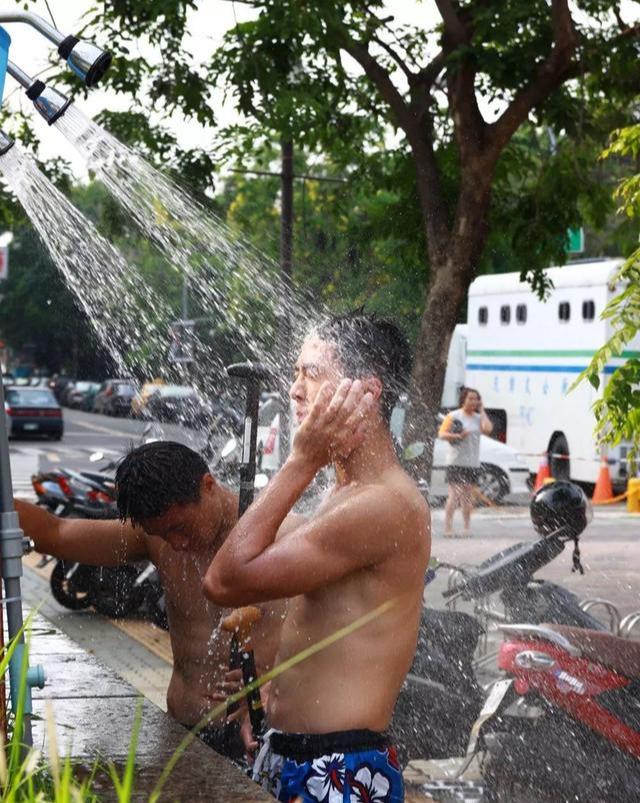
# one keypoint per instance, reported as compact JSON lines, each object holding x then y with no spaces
{"x":354,"y":682}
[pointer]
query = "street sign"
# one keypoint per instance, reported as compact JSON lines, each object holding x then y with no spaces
{"x":4,"y":262}
{"x":575,"y":241}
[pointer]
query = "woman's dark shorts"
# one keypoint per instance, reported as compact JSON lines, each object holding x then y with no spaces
{"x":462,"y":475}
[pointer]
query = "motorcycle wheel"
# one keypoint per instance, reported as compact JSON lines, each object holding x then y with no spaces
{"x":114,"y":593}
{"x":65,"y":592}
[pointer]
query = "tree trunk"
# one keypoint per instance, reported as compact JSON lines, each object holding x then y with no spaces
{"x":446,"y":293}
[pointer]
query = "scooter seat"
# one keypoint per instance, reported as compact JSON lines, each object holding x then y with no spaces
{"x":620,"y":654}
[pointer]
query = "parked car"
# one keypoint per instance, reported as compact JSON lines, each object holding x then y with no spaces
{"x":33,"y":411}
{"x":75,"y":395}
{"x":114,"y":397}
{"x":139,"y":401}
{"x":89,"y":397}
{"x":179,"y":404}
{"x":39,"y":381}
{"x":58,"y":383}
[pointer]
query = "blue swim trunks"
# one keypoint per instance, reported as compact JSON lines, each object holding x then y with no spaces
{"x":357,"y":766}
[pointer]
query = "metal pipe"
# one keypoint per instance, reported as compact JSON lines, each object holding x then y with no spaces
{"x":21,"y":77}
{"x":11,"y":546}
{"x":49,"y":103}
{"x":35,"y":21}
{"x":87,"y":60}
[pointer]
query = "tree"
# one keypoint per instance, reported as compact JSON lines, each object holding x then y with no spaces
{"x":618,"y":408}
{"x":462,"y":101}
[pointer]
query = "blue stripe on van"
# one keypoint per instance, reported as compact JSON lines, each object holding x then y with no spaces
{"x":554,"y":369}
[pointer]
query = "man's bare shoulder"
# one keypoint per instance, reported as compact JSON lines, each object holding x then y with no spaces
{"x":392,"y":502}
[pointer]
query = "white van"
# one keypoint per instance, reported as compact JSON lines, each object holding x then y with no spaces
{"x":523,"y":355}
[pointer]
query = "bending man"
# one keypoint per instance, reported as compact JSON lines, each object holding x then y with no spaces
{"x":177,"y":515}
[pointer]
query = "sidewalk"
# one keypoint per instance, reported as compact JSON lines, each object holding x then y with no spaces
{"x":94,"y":712}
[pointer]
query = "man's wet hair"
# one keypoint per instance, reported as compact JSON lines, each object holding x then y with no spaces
{"x":367,"y":345}
{"x":155,"y":476}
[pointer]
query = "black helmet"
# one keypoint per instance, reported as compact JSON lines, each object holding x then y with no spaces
{"x":560,"y":504}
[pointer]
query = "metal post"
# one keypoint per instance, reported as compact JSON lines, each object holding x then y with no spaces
{"x":11,"y":549}
{"x":286,"y":270}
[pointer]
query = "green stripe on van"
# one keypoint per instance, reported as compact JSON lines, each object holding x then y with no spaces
{"x":543,"y":353}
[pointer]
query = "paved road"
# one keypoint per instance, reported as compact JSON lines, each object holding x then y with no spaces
{"x":85,"y":434}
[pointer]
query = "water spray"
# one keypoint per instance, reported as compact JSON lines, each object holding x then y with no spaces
{"x":90,"y":63}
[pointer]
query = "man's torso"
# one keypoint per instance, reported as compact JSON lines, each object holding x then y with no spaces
{"x":354,"y":682}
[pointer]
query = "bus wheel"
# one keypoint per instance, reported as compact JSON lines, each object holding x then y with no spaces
{"x":559,"y":462}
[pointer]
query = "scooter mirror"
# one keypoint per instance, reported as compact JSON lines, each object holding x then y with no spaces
{"x":229,"y":448}
{"x":261,"y":481}
{"x":96,"y":456}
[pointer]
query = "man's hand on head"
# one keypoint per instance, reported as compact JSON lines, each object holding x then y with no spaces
{"x":336,"y":423}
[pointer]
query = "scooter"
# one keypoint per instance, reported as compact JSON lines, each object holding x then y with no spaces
{"x":568,"y":717}
{"x":441,"y":697}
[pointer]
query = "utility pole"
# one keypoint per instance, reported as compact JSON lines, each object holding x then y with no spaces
{"x":286,"y":270}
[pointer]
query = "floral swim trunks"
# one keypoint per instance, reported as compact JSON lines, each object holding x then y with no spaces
{"x":357,"y":766}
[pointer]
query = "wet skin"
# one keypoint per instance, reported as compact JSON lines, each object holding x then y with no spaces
{"x":182,"y":544}
{"x":367,"y":544}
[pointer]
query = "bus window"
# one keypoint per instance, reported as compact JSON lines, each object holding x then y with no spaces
{"x":564,"y":311}
{"x":483,"y":316}
{"x":588,"y":310}
{"x":521,"y":313}
{"x":505,"y":314}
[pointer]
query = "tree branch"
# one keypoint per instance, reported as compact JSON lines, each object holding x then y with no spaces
{"x":395,"y":56}
{"x":552,"y":73}
{"x":453,"y":25}
{"x":429,"y":74}
{"x":419,"y":137}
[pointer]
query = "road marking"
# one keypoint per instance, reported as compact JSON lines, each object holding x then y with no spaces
{"x":98,"y":428}
{"x":52,"y":457}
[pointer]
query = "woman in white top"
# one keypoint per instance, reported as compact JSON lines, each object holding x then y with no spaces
{"x":462,"y":429}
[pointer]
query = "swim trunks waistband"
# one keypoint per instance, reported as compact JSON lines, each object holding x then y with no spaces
{"x":307,"y":746}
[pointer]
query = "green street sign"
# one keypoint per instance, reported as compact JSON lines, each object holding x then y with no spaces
{"x":575,"y":241}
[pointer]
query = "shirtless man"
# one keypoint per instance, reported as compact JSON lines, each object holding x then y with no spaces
{"x":177,"y":515}
{"x":368,"y":544}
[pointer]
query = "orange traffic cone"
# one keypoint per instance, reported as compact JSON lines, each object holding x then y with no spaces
{"x":544,"y":473}
{"x":603,"y":491}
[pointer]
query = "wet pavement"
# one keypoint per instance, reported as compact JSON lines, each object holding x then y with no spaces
{"x":95,"y":710}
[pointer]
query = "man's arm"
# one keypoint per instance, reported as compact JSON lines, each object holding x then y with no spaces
{"x":252,"y":567}
{"x":98,"y":543}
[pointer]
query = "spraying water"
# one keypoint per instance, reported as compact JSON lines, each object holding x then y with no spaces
{"x":123,"y":311}
{"x":229,"y":280}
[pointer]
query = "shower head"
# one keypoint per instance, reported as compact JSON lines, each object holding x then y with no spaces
{"x":49,"y":103}
{"x":6,"y":143}
{"x":85,"y":59}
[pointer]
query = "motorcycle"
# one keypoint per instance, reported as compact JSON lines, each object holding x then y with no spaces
{"x":568,"y":717}
{"x":442,"y":697}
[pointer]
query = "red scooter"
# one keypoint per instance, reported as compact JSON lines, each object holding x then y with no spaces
{"x":567,"y":727}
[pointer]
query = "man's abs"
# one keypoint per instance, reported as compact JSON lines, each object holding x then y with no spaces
{"x":353,"y":683}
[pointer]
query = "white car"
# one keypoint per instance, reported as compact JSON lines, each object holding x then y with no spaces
{"x":503,"y":470}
